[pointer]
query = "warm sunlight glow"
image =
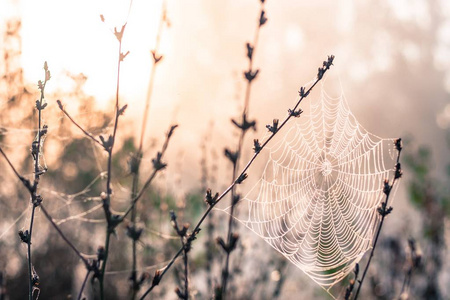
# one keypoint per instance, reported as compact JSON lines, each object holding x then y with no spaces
{"x":72,"y":37}
{"x":294,"y":37}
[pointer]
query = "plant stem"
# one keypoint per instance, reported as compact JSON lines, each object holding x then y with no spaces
{"x":152,"y":176}
{"x":161,"y":272}
{"x":107,"y":202}
{"x":110,"y":150}
{"x":36,"y":149}
{"x":30,"y":273}
{"x":139,"y":153}
{"x":377,"y":235}
{"x":68,"y":242}
{"x":225,"y":271}
{"x":77,"y":125}
{"x":186,"y":274}
{"x":102,"y":271}
{"x":133,"y":221}
{"x":152,"y":75}
{"x":11,"y":165}
{"x":80,"y":293}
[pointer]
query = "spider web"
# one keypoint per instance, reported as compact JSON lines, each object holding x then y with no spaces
{"x":316,"y":201}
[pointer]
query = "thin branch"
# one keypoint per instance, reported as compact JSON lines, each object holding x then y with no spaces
{"x":83,"y":285}
{"x":230,"y":239}
{"x":68,"y":242}
{"x":414,"y":261}
{"x":30,"y":265}
{"x":135,"y":235}
{"x":383,"y":210}
{"x":159,"y":274}
{"x":26,"y":237}
{"x":158,"y":165}
{"x":186,"y":248}
{"x":35,"y":198}
{"x":109,"y":145}
{"x":22,"y":179}
{"x":151,"y":82}
{"x":136,"y":159}
{"x":186,"y":271}
{"x":77,"y":125}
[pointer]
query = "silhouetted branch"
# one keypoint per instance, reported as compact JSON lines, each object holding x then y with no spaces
{"x":250,"y":75}
{"x":212,"y":201}
{"x":83,"y":285}
{"x":77,"y":125}
{"x":68,"y":242}
{"x":383,"y":210}
{"x":157,"y":166}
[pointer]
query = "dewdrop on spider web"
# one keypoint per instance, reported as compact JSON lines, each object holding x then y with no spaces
{"x":316,"y":201}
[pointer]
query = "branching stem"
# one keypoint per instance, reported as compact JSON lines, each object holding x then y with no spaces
{"x":77,"y":125}
{"x":83,"y":285}
{"x":63,"y":236}
{"x":161,"y":272}
{"x":107,"y":202}
{"x":30,"y":272}
{"x":383,"y":216}
{"x":152,"y":176}
{"x":139,"y":154}
{"x":11,"y":165}
{"x":245,"y":113}
{"x":35,"y":198}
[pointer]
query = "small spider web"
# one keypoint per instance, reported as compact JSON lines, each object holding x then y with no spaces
{"x":316,"y":201}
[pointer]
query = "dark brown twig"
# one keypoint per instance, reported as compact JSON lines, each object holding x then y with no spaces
{"x":83,"y":285}
{"x":213,"y":201}
{"x":63,"y":236}
{"x":61,"y":107}
{"x":383,"y":210}
{"x":109,"y":145}
{"x":50,"y":219}
{"x":184,"y":295}
{"x":250,"y":75}
{"x":158,"y":165}
{"x":413,"y":262}
{"x":156,"y":59}
{"x":32,"y":188}
{"x":22,"y":179}
{"x":136,"y":159}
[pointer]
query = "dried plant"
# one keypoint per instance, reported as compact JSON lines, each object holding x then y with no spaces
{"x":134,"y":231}
{"x":229,"y":244}
{"x":32,"y":187}
{"x":213,"y":199}
{"x":383,"y":210}
{"x":96,"y":265}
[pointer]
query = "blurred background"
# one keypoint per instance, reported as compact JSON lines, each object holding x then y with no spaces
{"x":392,"y":64}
